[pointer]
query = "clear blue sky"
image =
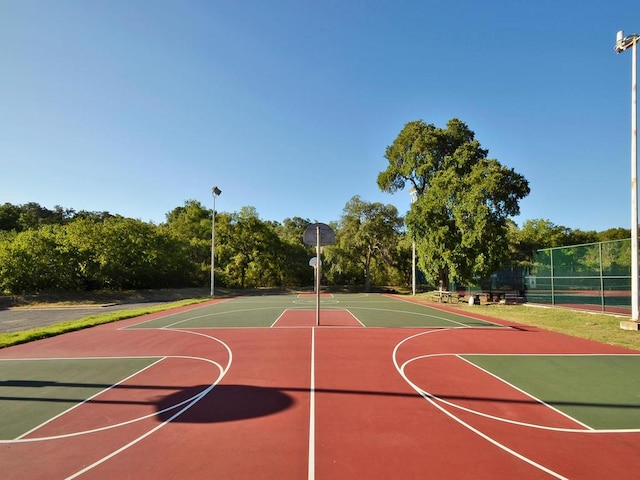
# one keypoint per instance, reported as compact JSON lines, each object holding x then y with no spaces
{"x":133,"y":107}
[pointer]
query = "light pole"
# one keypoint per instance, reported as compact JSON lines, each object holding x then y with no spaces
{"x":414,"y":196}
{"x":622,"y":43}
{"x":215,"y":191}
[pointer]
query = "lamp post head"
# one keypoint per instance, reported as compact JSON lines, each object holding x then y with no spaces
{"x":622,"y":42}
{"x":216,"y":191}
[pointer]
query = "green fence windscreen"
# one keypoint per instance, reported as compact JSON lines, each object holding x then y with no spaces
{"x":595,"y":276}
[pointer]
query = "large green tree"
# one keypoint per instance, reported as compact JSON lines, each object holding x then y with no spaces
{"x":192,"y":224}
{"x":293,"y":256}
{"x":464,"y":199}
{"x":36,"y":261}
{"x":84,"y":254}
{"x":367,"y":235}
{"x":246,"y":249}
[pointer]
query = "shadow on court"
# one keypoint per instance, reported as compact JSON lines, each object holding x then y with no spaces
{"x":225,"y":403}
{"x":228,"y":403}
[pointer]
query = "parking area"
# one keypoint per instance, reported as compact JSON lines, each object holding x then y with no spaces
{"x":17,"y":319}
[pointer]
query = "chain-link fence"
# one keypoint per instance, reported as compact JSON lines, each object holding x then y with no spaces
{"x":595,"y":276}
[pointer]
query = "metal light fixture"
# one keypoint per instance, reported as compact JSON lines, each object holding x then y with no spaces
{"x":215,"y":191}
{"x":622,"y":43}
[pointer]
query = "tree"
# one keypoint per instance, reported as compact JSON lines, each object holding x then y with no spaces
{"x":35,"y":261}
{"x":192,"y":223}
{"x":537,"y":234}
{"x":293,"y":256}
{"x":402,"y":272}
{"x":614,"y":234}
{"x":459,"y":220}
{"x":190,"y":220}
{"x":367,"y":233}
{"x":246,"y":248}
{"x":9,"y":217}
{"x":133,"y":254}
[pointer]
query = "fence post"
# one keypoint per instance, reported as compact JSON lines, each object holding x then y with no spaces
{"x":553,"y":275}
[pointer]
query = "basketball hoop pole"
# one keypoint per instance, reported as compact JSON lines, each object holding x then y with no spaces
{"x":318,"y":275}
{"x":215,"y":191}
{"x":318,"y":234}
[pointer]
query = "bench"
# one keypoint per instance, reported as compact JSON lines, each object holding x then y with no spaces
{"x":505,"y":296}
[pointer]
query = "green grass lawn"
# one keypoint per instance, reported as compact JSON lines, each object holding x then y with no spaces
{"x":593,"y":326}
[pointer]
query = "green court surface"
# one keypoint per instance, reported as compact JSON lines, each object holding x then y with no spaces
{"x":600,"y":391}
{"x":264,"y":311}
{"x":34,"y":391}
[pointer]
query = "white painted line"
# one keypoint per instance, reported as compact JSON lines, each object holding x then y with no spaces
{"x":312,"y":410}
{"x":421,"y":314}
{"x":128,"y":422}
{"x":585,"y":429}
{"x":279,"y":317}
{"x":457,"y":313}
{"x":541,"y":402}
{"x":424,"y":392}
{"x":356,"y":318}
{"x":172,"y":325}
{"x":89,"y":399}
{"x":171,"y":314}
{"x":433,"y":402}
{"x":193,"y":401}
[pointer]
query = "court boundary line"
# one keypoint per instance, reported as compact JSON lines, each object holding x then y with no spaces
{"x":524,"y":392}
{"x":314,"y":294}
{"x":173,"y":325}
{"x":431,"y":313}
{"x":120,"y":424}
{"x":287,"y":310}
{"x":436,"y":398}
{"x":195,"y":400}
{"x":454,"y":322}
{"x":457,"y":419}
{"x":196,"y":306}
{"x":355,"y":317}
{"x":311,"y":465}
{"x":459,"y":313}
{"x":278,"y":318}
{"x":586,"y":430}
{"x":86,"y":400}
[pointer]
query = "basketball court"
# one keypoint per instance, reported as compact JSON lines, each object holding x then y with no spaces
{"x":381,"y":387}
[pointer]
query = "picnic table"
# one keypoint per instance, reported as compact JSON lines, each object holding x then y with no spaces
{"x":444,"y":296}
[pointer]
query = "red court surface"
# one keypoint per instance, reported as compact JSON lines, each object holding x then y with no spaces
{"x":309,"y":318}
{"x":298,"y":401}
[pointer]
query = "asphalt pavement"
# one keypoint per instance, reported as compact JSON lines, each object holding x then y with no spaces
{"x":17,"y":319}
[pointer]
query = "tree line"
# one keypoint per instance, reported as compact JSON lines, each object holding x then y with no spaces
{"x":42,"y":251}
{"x":460,"y":223}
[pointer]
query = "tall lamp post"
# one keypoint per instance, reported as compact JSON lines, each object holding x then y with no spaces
{"x":215,"y":192}
{"x":622,"y":43}
{"x":414,"y":196}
